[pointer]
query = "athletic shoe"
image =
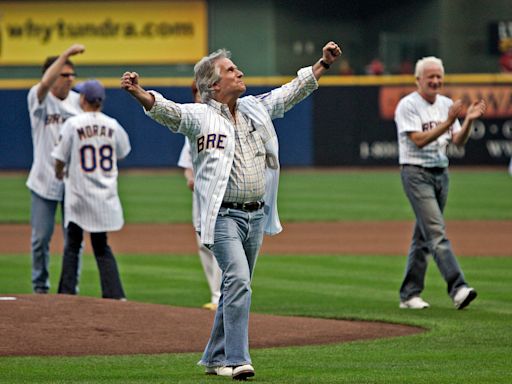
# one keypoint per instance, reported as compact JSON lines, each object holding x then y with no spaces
{"x":210,"y":306}
{"x":40,"y":291}
{"x":463,"y":297}
{"x":242,"y":372}
{"x":415,"y":302}
{"x":219,"y":371}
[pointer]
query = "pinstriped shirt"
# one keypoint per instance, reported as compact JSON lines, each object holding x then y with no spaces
{"x":213,"y":144}
{"x":415,"y":114}
{"x":247,"y":178}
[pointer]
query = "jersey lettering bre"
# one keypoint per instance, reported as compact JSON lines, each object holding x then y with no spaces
{"x":46,"y":119}
{"x":415,"y":114}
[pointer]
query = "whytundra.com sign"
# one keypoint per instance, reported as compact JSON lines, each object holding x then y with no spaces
{"x":151,"y":32}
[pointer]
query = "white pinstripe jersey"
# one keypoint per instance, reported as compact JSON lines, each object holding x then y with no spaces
{"x":212,"y":143}
{"x":46,"y":119}
{"x":415,"y":114}
{"x":90,"y":144}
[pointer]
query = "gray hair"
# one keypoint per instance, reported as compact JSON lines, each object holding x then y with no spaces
{"x":207,"y":73}
{"x":420,"y":65}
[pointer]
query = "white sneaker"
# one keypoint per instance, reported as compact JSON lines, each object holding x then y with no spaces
{"x":219,"y":371}
{"x":463,"y":297}
{"x":415,"y":302}
{"x":242,"y":372}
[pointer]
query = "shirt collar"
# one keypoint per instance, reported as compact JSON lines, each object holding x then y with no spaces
{"x":221,"y":108}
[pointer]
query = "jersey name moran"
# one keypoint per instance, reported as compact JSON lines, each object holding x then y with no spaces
{"x":94,"y":130}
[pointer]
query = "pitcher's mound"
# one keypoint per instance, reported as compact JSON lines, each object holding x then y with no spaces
{"x":75,"y":325}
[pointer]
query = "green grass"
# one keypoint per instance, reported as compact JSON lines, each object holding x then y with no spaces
{"x":303,"y":196}
{"x":155,"y":198}
{"x":14,"y":199}
{"x":470,"y":346}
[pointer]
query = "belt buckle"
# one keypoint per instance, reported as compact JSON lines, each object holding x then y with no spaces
{"x":251,"y":206}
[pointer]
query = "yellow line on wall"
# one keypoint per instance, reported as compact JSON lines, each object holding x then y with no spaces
{"x":271,"y":81}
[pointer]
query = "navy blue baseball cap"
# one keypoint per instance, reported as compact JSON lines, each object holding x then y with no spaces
{"x":92,"y":90}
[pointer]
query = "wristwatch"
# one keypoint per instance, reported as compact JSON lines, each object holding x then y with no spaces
{"x":324,"y":64}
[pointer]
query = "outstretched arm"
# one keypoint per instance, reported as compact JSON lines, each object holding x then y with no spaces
{"x":53,"y":72}
{"x":282,"y":99}
{"x":130,"y":83}
{"x":330,"y":53}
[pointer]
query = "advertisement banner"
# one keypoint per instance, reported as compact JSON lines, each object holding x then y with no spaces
{"x":498,"y":98}
{"x":149,"y":32}
{"x":355,"y":125}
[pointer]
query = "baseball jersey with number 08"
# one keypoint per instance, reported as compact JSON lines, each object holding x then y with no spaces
{"x":90,"y":145}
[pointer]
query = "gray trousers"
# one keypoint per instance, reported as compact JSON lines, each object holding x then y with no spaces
{"x":427,"y":191}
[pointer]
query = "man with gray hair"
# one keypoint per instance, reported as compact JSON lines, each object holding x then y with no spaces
{"x":426,"y":123}
{"x":234,"y":151}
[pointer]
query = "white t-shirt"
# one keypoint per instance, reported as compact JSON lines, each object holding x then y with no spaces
{"x":46,"y":119}
{"x":90,"y":145}
{"x":185,"y":161}
{"x":415,"y":114}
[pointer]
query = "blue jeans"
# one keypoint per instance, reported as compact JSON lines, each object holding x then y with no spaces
{"x":238,"y":239}
{"x":42,"y":220}
{"x":427,"y":191}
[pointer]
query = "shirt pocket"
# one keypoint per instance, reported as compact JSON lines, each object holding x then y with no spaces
{"x":257,"y":143}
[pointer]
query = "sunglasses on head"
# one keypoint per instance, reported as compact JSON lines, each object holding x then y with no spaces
{"x":68,"y":74}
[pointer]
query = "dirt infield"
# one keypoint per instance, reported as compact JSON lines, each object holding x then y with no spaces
{"x":469,"y":238}
{"x":74,"y":325}
{"x":67,"y":325}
